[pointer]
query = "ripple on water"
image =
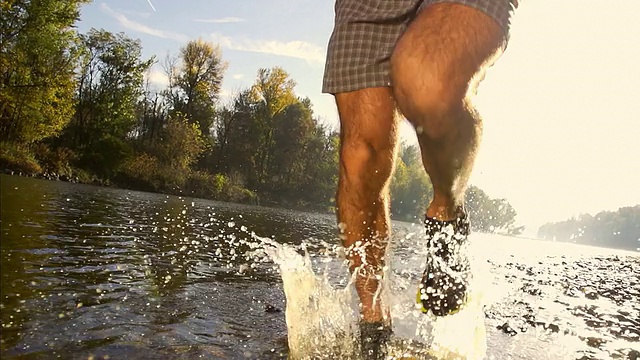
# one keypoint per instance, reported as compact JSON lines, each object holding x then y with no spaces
{"x":148,"y":276}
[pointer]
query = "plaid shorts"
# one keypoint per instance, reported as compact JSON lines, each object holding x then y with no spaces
{"x":366,"y":31}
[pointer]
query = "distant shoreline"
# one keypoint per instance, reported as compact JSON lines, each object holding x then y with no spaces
{"x":637,"y":252}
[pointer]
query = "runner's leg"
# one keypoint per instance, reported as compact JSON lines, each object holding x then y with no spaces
{"x":368,"y":141}
{"x":435,"y":64}
{"x":357,"y":73}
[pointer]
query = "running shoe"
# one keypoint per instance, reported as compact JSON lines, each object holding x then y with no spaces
{"x":443,"y":289}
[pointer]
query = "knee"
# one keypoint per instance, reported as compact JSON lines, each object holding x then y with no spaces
{"x":368,"y":138}
{"x":428,"y":94}
{"x":367,"y":161}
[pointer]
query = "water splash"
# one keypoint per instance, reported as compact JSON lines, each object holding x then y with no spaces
{"x":322,"y":316}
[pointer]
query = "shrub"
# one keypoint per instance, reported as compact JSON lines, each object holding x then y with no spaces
{"x":106,"y":156}
{"x":204,"y":185}
{"x":141,"y":171}
{"x":18,"y":157}
{"x":86,"y":178}
{"x":55,"y":161}
{"x":233,"y":191}
{"x":218,"y":187}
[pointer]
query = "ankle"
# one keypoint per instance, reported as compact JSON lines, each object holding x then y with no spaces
{"x":444,"y":212}
{"x":371,"y":313}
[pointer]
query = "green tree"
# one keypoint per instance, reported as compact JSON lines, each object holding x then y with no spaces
{"x":617,"y":229}
{"x":166,"y":164}
{"x":223,"y":126}
{"x":195,"y":83}
{"x":110,"y":81}
{"x":269,"y":140}
{"x":319,"y":176}
{"x":411,"y":189}
{"x":293,"y":130}
{"x":180,"y":146}
{"x":273,"y":92}
{"x":238,"y":138}
{"x":152,"y":114}
{"x":411,"y":192}
{"x":304,"y":166}
{"x":490,"y":215}
{"x":37,"y":60}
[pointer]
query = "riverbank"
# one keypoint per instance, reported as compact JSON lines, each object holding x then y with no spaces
{"x":249,"y":198}
{"x":141,"y":173}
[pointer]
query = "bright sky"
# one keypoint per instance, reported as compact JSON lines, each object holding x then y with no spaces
{"x":562,"y":123}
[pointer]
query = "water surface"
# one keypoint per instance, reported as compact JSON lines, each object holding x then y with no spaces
{"x":92,"y":271}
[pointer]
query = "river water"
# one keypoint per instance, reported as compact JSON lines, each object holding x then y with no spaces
{"x":94,"y":273}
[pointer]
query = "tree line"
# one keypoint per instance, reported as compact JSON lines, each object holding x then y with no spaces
{"x":81,"y":106}
{"x":614,"y":229}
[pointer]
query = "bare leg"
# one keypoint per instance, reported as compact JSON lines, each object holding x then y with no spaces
{"x":368,"y":142}
{"x":435,"y":66}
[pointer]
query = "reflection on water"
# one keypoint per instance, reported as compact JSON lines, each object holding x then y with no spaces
{"x":90,"y":271}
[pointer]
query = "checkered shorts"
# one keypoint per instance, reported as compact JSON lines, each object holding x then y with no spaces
{"x":366,"y":32}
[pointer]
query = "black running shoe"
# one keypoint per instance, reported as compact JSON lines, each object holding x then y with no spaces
{"x":443,"y":289}
{"x":374,"y":337}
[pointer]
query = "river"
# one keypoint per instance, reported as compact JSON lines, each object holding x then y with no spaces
{"x":93,"y":273}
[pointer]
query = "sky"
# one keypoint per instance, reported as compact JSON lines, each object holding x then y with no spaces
{"x":560,"y":107}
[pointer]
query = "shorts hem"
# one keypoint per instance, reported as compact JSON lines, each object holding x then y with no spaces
{"x":337,"y":89}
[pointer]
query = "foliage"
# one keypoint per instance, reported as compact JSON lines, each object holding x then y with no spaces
{"x":55,"y":160}
{"x":110,"y":80}
{"x":196,"y":82}
{"x":141,"y":171}
{"x":619,"y":229}
{"x":220,"y":187}
{"x":37,"y":59}
{"x":270,"y":137}
{"x":272,"y":93}
{"x":180,"y":144}
{"x":237,"y":134}
{"x":490,"y":215}
{"x":166,"y":164}
{"x":204,"y":185}
{"x":411,"y":191}
{"x":18,"y":157}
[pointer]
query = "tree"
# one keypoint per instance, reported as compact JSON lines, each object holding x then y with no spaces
{"x":37,"y":60}
{"x":238,"y":138}
{"x":196,"y":82}
{"x":166,"y":164}
{"x":110,"y":82}
{"x":319,"y":176}
{"x":180,"y":146}
{"x":293,"y":130}
{"x":411,"y":192}
{"x":617,"y":229}
{"x":151,"y":113}
{"x":490,"y":215}
{"x":273,"y":92}
{"x":411,"y":189}
{"x":269,"y":139}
